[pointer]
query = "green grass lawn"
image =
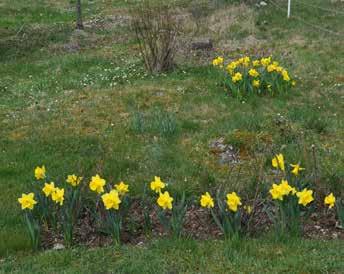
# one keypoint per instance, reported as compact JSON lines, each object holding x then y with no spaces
{"x":187,"y":256}
{"x":95,"y":110}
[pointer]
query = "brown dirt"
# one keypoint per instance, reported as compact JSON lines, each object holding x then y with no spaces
{"x":198,"y":225}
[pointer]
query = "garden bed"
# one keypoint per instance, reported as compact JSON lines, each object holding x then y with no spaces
{"x":198,"y":225}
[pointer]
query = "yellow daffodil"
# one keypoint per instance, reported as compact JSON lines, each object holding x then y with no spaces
{"x":278,"y":162}
{"x":157,"y":185}
{"x":111,"y":200}
{"x":276,"y":192}
{"x":218,"y":62}
{"x":271,"y":68}
{"x":97,"y":184}
{"x":253,"y":73}
{"x":58,"y":195}
{"x":265,"y":61}
{"x":283,"y":189}
{"x":237,"y":77}
{"x":305,"y":196}
{"x":207,"y":201}
{"x":256,"y":63}
{"x":73,"y":180}
{"x":165,"y":200}
{"x":122,"y":188}
{"x":40,"y":173}
{"x":231,"y":67}
{"x":233,"y":201}
{"x":285,"y":75}
{"x":27,"y":201}
{"x":246,"y":61}
{"x":256,"y":83}
{"x":279,"y":69}
{"x":48,"y":189}
{"x":286,"y":188}
{"x":330,"y":200}
{"x":296,"y":169}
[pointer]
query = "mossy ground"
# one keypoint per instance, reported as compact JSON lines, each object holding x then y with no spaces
{"x":96,"y":110}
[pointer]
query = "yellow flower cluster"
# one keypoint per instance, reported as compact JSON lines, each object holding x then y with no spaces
{"x":57,"y":194}
{"x":233,"y":201}
{"x":278,"y":162}
{"x":283,"y":189}
{"x":261,"y":75}
{"x":114,"y":197}
{"x":218,"y":61}
{"x":237,"y":77}
{"x":164,"y":200}
{"x":278,"y":192}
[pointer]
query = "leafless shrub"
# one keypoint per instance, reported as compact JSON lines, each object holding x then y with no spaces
{"x":156,"y":28}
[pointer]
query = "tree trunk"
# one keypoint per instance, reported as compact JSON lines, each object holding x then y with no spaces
{"x":79,"y":24}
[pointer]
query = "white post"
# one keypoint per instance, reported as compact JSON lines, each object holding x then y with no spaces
{"x":289,"y":2}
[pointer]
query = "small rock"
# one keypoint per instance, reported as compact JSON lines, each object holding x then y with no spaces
{"x":71,"y":47}
{"x":58,"y":246}
{"x":202,"y":44}
{"x":226,"y":152}
{"x":160,"y":93}
{"x":263,"y":4}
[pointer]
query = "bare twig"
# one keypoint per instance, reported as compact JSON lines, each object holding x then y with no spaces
{"x":156,"y":30}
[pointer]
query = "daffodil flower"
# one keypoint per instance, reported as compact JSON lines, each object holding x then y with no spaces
{"x":296,"y":169}
{"x":27,"y":201}
{"x":165,"y":200}
{"x":330,"y":200}
{"x":233,"y":201}
{"x":207,"y":201}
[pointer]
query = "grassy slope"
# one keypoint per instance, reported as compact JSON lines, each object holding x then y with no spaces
{"x":60,"y":109}
{"x":188,"y":256}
